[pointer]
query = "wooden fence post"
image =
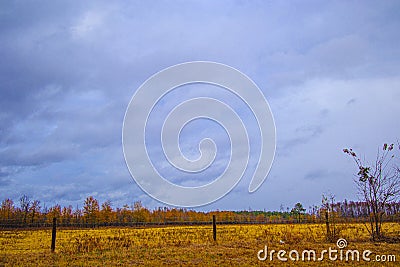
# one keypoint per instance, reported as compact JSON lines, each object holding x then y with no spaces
{"x":214,"y":229}
{"x":53,"y":235}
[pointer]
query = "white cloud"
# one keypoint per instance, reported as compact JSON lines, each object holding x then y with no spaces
{"x":87,"y":24}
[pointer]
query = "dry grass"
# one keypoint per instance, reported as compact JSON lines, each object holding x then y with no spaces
{"x":236,"y":245}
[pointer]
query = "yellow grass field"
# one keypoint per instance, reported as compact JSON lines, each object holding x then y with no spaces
{"x":236,"y":245}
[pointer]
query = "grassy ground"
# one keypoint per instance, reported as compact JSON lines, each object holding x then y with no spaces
{"x":236,"y":245}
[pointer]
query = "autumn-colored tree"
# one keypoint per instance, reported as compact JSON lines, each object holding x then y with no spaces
{"x":125,"y":214}
{"x":77,"y":215}
{"x":140,"y":213}
{"x":106,"y":212}
{"x":25,"y":204}
{"x":330,"y":215}
{"x":378,"y":183}
{"x":7,"y":209}
{"x":298,"y":210}
{"x":54,"y":212}
{"x":91,"y":209}
{"x":157,"y":215}
{"x":66,"y":214}
{"x":34,"y":209}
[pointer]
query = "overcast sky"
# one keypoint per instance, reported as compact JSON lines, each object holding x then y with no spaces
{"x":329,"y":70}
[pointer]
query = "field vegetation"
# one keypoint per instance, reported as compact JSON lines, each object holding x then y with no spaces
{"x":236,"y":245}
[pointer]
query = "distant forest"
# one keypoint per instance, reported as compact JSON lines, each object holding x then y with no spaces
{"x":30,"y":213}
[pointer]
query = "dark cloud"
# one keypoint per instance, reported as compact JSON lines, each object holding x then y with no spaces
{"x":69,"y":70}
{"x":24,"y":157}
{"x":300,"y":136}
{"x":320,"y":174}
{"x":351,"y":101}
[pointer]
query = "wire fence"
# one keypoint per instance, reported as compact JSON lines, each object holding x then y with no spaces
{"x":17,"y":224}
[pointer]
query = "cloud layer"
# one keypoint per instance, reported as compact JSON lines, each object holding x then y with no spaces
{"x":329,"y":71}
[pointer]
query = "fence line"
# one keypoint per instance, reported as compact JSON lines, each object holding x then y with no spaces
{"x":14,"y":224}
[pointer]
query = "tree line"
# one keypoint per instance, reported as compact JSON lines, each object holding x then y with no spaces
{"x":30,"y":213}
